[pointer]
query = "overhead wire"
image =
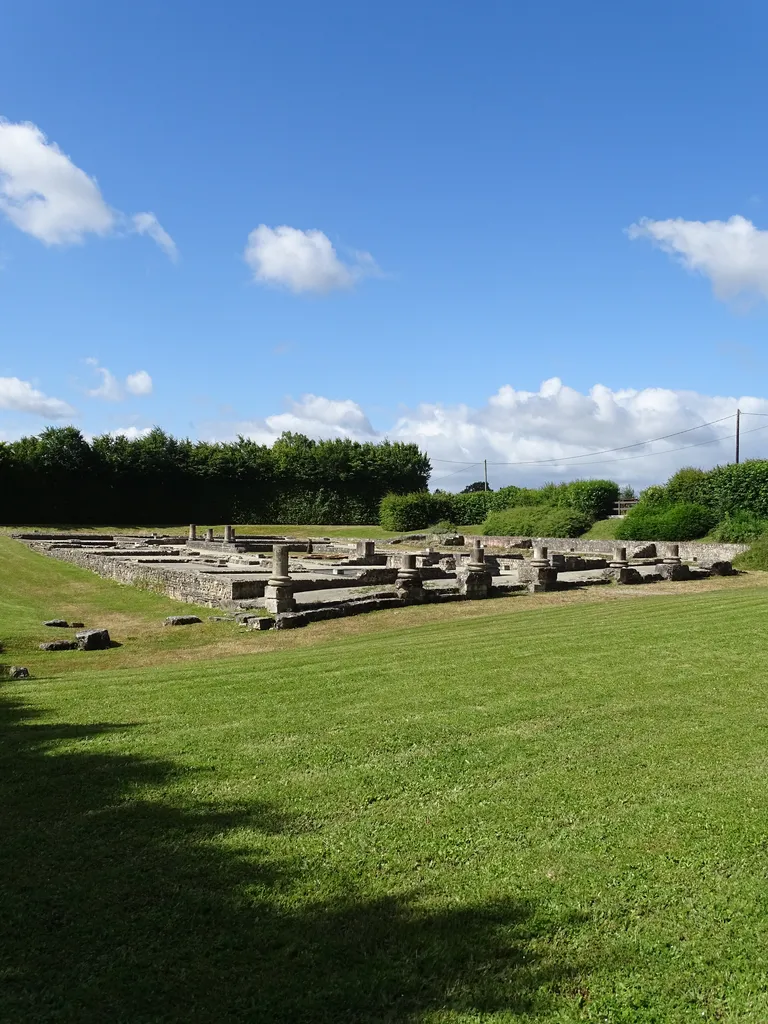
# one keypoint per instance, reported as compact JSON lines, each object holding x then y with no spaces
{"x":605,"y":451}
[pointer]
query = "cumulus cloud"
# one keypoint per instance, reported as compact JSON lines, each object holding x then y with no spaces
{"x":733,"y":253}
{"x":303,"y":261}
{"x":19,"y":396}
{"x":139,"y":383}
{"x":112,"y":390}
{"x":529,"y":437}
{"x":46,"y":195}
{"x":132,"y":433}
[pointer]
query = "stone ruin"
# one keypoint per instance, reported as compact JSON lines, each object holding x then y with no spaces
{"x":301,"y":581}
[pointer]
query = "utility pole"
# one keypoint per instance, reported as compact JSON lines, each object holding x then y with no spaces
{"x":485,"y":468}
{"x":738,"y":425}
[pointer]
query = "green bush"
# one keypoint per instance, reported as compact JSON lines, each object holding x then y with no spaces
{"x":740,"y":528}
{"x":535,"y":521}
{"x":684,"y":521}
{"x":756,"y":557}
{"x":470,"y":508}
{"x":418,"y":511}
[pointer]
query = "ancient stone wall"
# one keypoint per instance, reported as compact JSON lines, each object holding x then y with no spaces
{"x":689,"y":550}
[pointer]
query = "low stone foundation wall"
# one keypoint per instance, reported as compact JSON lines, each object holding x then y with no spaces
{"x":193,"y":588}
{"x":689,"y":550}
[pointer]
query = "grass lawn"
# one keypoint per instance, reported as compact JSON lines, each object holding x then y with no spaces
{"x":521,"y":811}
{"x":603,"y":529}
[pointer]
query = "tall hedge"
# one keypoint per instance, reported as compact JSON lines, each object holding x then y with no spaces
{"x":724,"y":490}
{"x":59,"y":477}
{"x":592,"y":499}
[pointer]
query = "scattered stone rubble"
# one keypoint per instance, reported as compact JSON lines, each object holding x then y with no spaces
{"x":301,"y":581}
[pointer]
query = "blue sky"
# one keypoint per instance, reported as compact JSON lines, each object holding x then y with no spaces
{"x":437,"y":198}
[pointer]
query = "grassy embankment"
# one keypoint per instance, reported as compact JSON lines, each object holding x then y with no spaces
{"x":493,"y":816}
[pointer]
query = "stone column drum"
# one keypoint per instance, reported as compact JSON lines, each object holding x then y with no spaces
{"x":619,"y":559}
{"x":474,"y":579}
{"x":192,"y":531}
{"x":408,"y":584}
{"x":278,"y":593}
{"x":227,"y":534}
{"x":209,"y":534}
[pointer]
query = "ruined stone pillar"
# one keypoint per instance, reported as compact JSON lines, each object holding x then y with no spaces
{"x":278,"y":593}
{"x":619,"y":559}
{"x":192,"y":531}
{"x":227,"y":534}
{"x":209,"y":534}
{"x":539,"y":557}
{"x":408,"y":584}
{"x":474,"y":579}
{"x":673,"y":558}
{"x":365,"y":548}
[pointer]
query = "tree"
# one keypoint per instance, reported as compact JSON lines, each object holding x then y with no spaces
{"x":478,"y":485}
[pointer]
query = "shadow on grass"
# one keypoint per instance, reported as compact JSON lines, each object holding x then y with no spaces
{"x":124,"y":909}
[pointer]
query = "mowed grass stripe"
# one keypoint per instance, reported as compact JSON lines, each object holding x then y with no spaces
{"x":558,"y":815}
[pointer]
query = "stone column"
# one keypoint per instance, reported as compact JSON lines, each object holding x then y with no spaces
{"x":619,"y":558}
{"x":209,"y":534}
{"x":408,"y":584}
{"x":474,"y":579}
{"x":539,"y":557}
{"x":278,"y":593}
{"x":227,"y":534}
{"x":673,"y":558}
{"x":192,"y":531}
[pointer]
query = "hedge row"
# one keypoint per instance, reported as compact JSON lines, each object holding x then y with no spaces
{"x":60,"y":477}
{"x":683,"y":521}
{"x":594,"y":499}
{"x":536,"y":521}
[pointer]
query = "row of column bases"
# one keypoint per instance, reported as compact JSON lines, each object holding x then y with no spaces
{"x":229,"y":534}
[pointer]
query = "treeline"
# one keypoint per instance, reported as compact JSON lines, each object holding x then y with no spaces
{"x":60,"y":477}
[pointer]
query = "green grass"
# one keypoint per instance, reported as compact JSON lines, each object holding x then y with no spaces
{"x":550,"y":816}
{"x":603,"y":529}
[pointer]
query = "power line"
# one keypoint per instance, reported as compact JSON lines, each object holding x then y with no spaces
{"x":606,"y":451}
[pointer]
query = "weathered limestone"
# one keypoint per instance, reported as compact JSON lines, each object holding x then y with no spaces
{"x":93,"y":640}
{"x":18,"y":672}
{"x":624,"y":574}
{"x":408,"y":584}
{"x":673,"y":558}
{"x":58,"y":645}
{"x":365,"y":548}
{"x":619,"y":559}
{"x":209,"y":535}
{"x":539,"y":559}
{"x":192,"y":531}
{"x":278,"y":593}
{"x":474,"y":579}
{"x":228,"y":535}
{"x":56,"y":622}
{"x":673,"y":570}
{"x":181,"y":620}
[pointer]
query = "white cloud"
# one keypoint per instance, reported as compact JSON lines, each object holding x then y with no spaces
{"x":529,"y":427}
{"x":111,"y":389}
{"x":132,"y":433}
{"x":43,"y":193}
{"x":46,"y":195}
{"x":303,"y":261}
{"x":139,"y":383}
{"x":733,"y":254}
{"x":148,"y":224}
{"x":19,"y":396}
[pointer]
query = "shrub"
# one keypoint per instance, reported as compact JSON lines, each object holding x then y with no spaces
{"x":444,"y":526}
{"x":740,"y":528}
{"x":687,"y":485}
{"x":407,"y":512}
{"x":595,"y":498}
{"x":469,"y":508}
{"x":756,"y":557}
{"x":684,"y":521}
{"x":535,"y":521}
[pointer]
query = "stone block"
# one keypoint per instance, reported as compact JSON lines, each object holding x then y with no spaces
{"x":278,"y":597}
{"x":93,"y":640}
{"x":720,"y":568}
{"x":181,"y":620}
{"x":57,"y":622}
{"x":623,"y":574}
{"x":18,"y":672}
{"x":260,"y":622}
{"x":59,"y":645}
{"x":544,"y":577}
{"x":674,"y":571}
